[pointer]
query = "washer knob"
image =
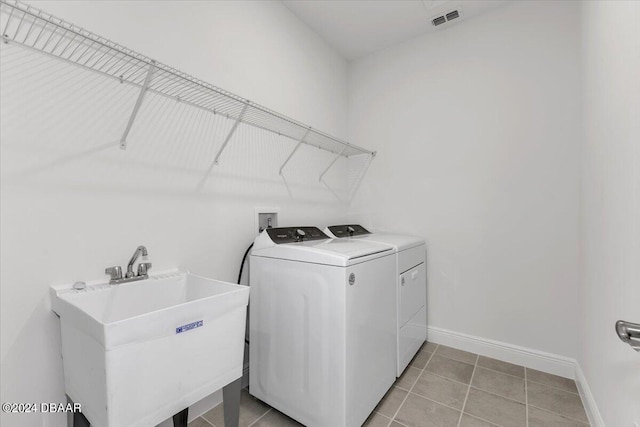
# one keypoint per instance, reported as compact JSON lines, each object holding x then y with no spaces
{"x":300,"y":234}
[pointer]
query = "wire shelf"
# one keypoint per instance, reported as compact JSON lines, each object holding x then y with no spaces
{"x":35,"y":29}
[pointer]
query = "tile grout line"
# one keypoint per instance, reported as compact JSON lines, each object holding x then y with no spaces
{"x":474,"y":387}
{"x":383,"y":416}
{"x":398,"y":422}
{"x":500,"y":372}
{"x":457,"y":360}
{"x":560,"y":415}
{"x":461,"y":383}
{"x":474,"y":416}
{"x":498,"y":395}
{"x":446,"y":406}
{"x":414,"y":383}
{"x":482,"y":419}
{"x":525,"y":378}
{"x":435,"y":401}
{"x":457,"y":409}
{"x":447,"y":378}
{"x":555,"y":388}
{"x":526,"y":399}
{"x":516,"y":376}
{"x":206,"y":421}
{"x":260,"y":417}
{"x":466,"y":397}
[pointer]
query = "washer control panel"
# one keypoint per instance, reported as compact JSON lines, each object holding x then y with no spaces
{"x":295,"y":234}
{"x":348,"y":230}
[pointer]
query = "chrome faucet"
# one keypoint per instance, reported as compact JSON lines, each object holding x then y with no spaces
{"x":115,"y":272}
{"x":141,"y":250}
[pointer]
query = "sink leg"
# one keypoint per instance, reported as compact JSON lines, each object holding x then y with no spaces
{"x":80,"y":420}
{"x":76,"y":419}
{"x":69,"y":414}
{"x":180,"y":419}
{"x":231,"y":401}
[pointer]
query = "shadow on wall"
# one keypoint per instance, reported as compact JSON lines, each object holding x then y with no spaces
{"x":62,"y":126}
{"x":23,"y":368}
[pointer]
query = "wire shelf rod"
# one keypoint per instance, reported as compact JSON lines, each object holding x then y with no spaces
{"x":30,"y":28}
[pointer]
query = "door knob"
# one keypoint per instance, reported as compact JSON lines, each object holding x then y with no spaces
{"x":629,"y":333}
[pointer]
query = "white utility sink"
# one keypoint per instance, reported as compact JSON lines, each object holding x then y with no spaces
{"x":135,"y":354}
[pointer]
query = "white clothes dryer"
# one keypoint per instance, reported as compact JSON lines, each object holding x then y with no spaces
{"x":410,"y":284}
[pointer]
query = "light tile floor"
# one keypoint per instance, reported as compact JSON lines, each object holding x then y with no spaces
{"x":446,"y":387}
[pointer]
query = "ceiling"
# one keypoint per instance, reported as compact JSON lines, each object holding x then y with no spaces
{"x":356,"y":28}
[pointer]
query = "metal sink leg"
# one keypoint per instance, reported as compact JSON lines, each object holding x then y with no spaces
{"x":231,"y":401}
{"x":180,"y":419}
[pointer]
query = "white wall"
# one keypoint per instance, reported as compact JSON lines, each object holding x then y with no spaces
{"x":611,"y":206}
{"x":72,"y":203}
{"x":477,"y":128}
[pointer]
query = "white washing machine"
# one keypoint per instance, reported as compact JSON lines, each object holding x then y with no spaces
{"x":322,"y":325}
{"x":410,"y":282}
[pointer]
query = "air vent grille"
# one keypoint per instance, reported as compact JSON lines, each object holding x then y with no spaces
{"x":452,"y":15}
{"x":437,"y":21}
{"x":447,"y":17}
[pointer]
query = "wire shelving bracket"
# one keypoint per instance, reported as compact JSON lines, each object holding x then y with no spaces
{"x":230,"y":134}
{"x":294,"y":151}
{"x":331,"y":164}
{"x":134,"y":113}
{"x":35,"y":29}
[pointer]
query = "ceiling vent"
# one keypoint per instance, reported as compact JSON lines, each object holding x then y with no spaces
{"x":439,"y":20}
{"x":446,"y":18}
{"x":452,"y":15}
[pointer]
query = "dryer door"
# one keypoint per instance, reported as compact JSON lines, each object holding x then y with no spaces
{"x":413,"y":292}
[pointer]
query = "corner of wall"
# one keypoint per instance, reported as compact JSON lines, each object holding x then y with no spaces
{"x":588,"y":401}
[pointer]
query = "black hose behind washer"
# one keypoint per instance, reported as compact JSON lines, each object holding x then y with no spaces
{"x":244,"y":258}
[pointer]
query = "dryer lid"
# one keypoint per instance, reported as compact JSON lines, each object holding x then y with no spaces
{"x":399,"y":242}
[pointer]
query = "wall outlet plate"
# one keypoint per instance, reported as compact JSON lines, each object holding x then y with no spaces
{"x":265,"y":217}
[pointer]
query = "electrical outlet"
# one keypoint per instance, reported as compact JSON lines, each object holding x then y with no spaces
{"x":266,"y":217}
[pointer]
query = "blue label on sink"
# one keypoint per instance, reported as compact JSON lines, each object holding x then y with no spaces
{"x":189,"y":326}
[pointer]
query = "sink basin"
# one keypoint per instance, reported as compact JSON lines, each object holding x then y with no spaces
{"x":135,"y":354}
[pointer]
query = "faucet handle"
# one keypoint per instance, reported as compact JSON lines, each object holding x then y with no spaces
{"x":143,"y":268}
{"x":114,"y":272}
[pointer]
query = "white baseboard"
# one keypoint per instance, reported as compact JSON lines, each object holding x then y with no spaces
{"x":595,"y":419}
{"x":547,"y":362}
{"x":534,"y":359}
